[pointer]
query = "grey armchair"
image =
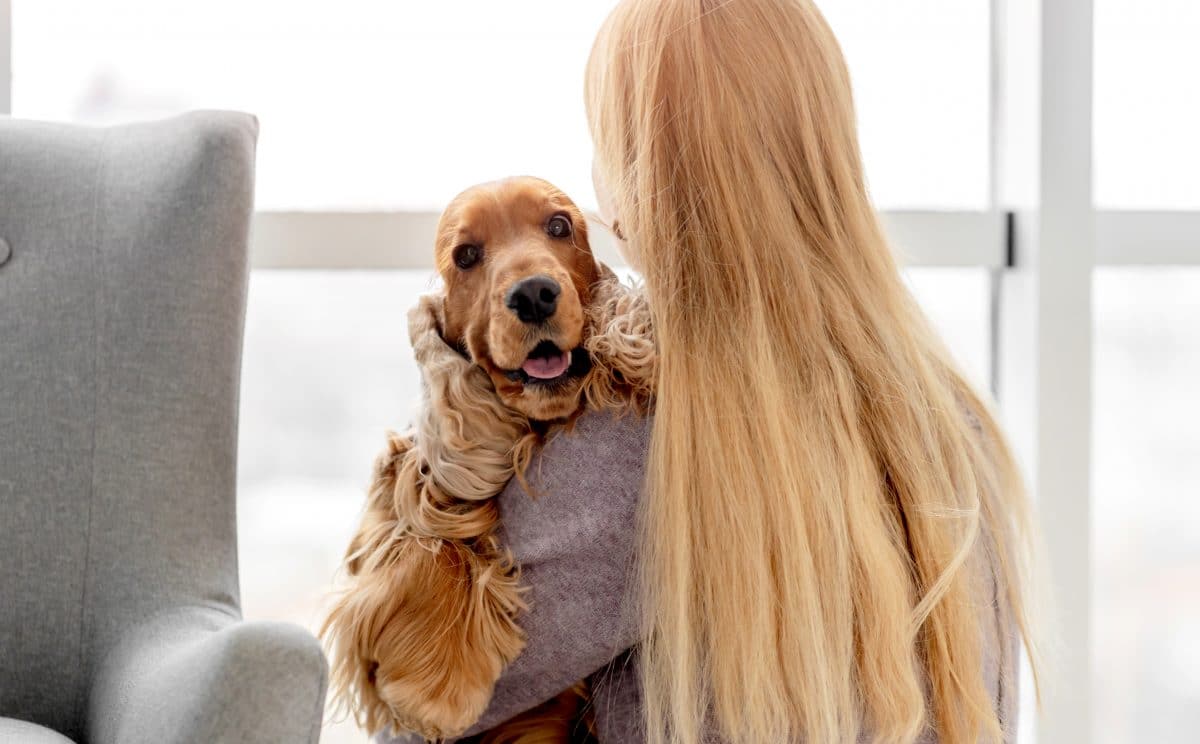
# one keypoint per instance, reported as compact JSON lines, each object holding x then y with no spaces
{"x":123,"y":272}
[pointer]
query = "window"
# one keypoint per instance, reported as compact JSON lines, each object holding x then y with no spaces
{"x":1145,"y":525}
{"x":1146,"y":518}
{"x":958,"y":304}
{"x":363,"y":104}
{"x":920,"y":72}
{"x":326,"y":370}
{"x":372,"y":104}
{"x":1147,"y":113}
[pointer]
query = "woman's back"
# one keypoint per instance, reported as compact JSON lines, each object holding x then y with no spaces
{"x":821,"y":523}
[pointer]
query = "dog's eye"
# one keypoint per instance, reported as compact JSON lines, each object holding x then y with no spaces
{"x":467,"y":255}
{"x":559,"y":226}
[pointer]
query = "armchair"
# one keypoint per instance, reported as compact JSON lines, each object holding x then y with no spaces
{"x":123,"y":276}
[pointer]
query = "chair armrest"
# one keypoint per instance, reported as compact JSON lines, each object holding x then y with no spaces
{"x":202,"y":676}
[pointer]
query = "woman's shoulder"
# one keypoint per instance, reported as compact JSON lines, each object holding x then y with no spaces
{"x":585,"y":481}
{"x":609,"y":438}
{"x":600,"y":449}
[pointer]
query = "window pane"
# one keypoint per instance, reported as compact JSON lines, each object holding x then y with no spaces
{"x":363,"y":103}
{"x":921,"y":81}
{"x":1146,"y":103}
{"x":958,"y":303}
{"x":327,"y":369}
{"x":369,"y":104}
{"x":1146,"y":514}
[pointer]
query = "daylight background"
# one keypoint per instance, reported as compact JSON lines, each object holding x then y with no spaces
{"x":397,"y":106}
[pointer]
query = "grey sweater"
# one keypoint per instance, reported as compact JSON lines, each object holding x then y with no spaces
{"x":575,"y":544}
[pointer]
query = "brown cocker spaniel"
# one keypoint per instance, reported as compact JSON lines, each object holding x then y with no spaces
{"x":530,"y":331}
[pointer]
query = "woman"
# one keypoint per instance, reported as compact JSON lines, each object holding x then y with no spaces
{"x":830,"y":535}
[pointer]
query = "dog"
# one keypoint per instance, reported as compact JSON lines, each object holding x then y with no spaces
{"x":529,"y":332}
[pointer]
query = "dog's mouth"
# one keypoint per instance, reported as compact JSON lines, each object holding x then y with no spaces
{"x":548,"y":365}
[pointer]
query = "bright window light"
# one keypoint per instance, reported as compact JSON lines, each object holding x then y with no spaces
{"x":373,"y":104}
{"x":1147,"y":107}
{"x":1145,"y":511}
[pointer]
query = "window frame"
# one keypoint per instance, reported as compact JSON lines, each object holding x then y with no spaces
{"x":924,"y":238}
{"x":1040,"y":255}
{"x":404,"y":239}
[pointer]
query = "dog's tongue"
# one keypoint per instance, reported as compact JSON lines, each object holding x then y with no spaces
{"x":546,"y":368}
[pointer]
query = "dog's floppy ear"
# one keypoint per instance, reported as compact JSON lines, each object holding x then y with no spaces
{"x":426,"y":317}
{"x":426,"y":329}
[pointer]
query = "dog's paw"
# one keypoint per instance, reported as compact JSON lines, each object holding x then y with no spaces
{"x":443,"y":646}
{"x":434,"y":719}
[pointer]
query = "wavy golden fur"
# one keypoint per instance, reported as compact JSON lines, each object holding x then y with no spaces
{"x":826,"y":495}
{"x":429,"y":617}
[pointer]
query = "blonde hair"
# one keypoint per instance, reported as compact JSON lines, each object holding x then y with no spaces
{"x":826,"y":494}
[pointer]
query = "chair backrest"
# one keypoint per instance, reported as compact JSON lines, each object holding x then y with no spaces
{"x":122,"y":302}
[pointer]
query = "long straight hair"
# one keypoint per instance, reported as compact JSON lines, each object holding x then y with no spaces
{"x":829,"y":504}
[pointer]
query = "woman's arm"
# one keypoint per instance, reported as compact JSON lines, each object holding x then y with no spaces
{"x":574,"y":542}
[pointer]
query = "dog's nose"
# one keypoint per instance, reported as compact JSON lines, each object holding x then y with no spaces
{"x":534,"y":299}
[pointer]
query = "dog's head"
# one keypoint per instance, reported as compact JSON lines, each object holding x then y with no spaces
{"x":518,"y":271}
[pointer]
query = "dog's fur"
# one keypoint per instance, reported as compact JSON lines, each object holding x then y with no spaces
{"x":429,"y":619}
